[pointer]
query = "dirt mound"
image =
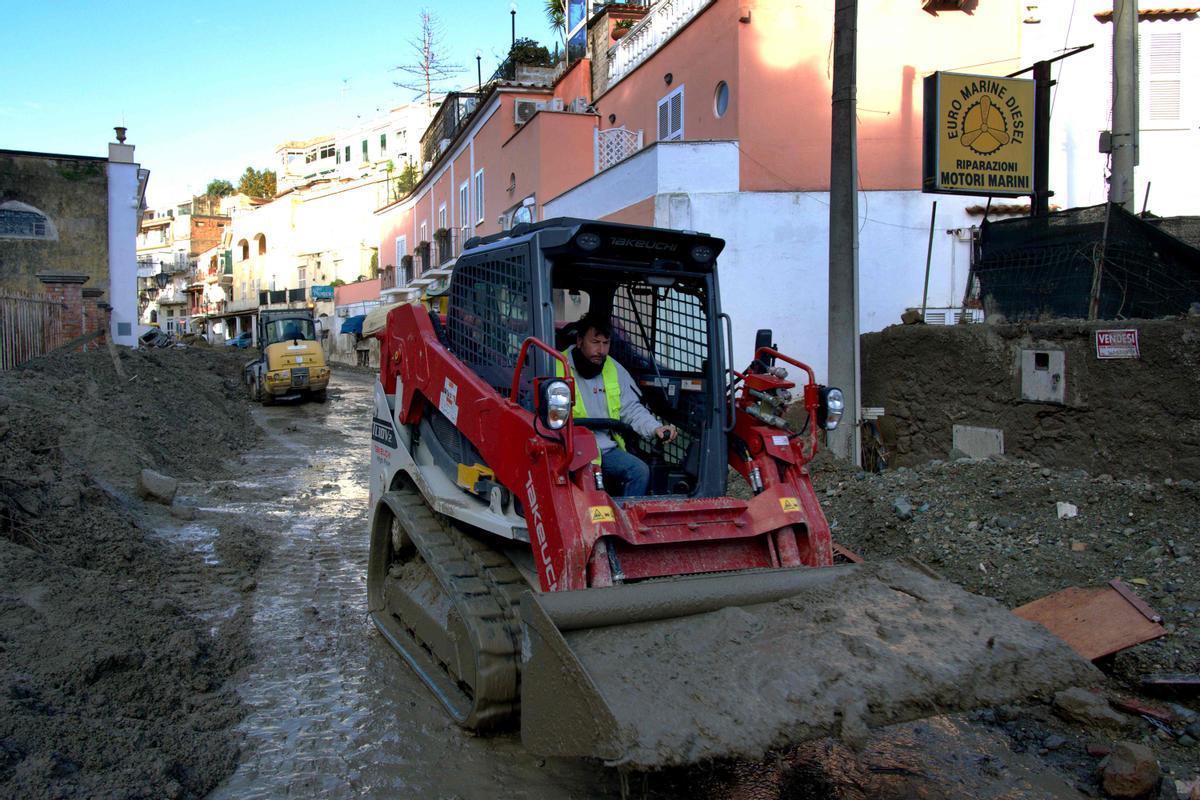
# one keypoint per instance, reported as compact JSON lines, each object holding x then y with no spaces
{"x":993,"y":527}
{"x":116,"y":644}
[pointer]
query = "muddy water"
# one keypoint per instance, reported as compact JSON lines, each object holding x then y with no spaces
{"x":335,"y":713}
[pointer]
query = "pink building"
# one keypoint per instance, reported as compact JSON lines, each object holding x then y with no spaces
{"x":714,"y":115}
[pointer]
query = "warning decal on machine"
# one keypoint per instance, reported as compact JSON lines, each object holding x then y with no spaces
{"x":448,"y":401}
{"x":602,"y":514}
{"x":789,"y":504}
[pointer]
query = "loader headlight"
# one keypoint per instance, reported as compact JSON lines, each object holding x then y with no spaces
{"x":833,"y":405}
{"x":588,"y":240}
{"x":555,"y":407}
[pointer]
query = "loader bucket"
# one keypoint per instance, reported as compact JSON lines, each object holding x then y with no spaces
{"x":675,"y":672}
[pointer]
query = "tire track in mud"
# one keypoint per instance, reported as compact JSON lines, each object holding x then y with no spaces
{"x":335,"y":712}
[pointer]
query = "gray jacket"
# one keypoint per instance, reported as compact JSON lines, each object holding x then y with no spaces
{"x":633,"y":413}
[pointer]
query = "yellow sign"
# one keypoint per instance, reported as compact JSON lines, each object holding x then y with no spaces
{"x":602,"y":514}
{"x":789,"y":504}
{"x":978,"y":135}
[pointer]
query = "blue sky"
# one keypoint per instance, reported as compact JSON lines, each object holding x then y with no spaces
{"x":211,"y":88}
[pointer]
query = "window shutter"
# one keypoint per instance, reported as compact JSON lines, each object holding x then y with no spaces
{"x":1166,"y":60}
{"x":1165,"y":53}
{"x":670,"y":116}
{"x":677,"y":116}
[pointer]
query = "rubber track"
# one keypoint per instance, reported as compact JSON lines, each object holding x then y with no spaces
{"x":485,"y":589}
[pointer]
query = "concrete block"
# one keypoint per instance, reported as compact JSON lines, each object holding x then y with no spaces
{"x":978,"y":442}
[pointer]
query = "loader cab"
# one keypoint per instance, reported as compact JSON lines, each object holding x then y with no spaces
{"x":288,"y":329}
{"x":658,"y":288}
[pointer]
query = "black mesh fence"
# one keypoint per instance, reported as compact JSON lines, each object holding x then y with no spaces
{"x":1065,"y":263}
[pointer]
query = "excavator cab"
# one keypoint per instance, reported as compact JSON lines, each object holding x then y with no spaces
{"x":657,"y":288}
{"x":660,"y":333}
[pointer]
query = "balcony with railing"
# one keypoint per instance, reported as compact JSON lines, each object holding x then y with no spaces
{"x":455,"y":110}
{"x":283,"y":297}
{"x":447,"y":246}
{"x":664,"y":19}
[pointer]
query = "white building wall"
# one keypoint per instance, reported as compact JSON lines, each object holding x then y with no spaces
{"x":1082,"y":105}
{"x":774,"y":271}
{"x":123,"y":208}
{"x":338,"y":223}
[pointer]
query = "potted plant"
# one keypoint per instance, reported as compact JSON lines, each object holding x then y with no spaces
{"x":621,"y":27}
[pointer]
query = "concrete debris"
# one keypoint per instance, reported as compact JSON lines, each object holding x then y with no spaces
{"x":182,"y":511}
{"x":1067,"y":510}
{"x":1130,"y":770}
{"x":1088,"y":708}
{"x":903,"y":508}
{"x":1187,"y":790}
{"x":156,"y":487}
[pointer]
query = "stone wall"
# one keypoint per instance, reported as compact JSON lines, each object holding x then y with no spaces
{"x":72,"y":191}
{"x":1123,"y":417}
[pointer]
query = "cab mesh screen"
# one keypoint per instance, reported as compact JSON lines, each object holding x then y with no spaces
{"x":664,"y":326}
{"x":661,"y":331}
{"x":490,"y":315}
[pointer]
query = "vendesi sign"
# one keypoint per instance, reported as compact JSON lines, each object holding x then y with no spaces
{"x":322,"y":292}
{"x":1121,"y":343}
{"x":978,"y":135}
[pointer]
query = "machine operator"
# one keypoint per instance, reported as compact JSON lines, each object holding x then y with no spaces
{"x":605,"y":389}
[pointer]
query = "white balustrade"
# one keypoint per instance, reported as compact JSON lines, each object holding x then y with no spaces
{"x":660,"y":23}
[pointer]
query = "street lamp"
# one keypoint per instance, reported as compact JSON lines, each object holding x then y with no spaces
{"x":512,"y":10}
{"x":479,"y":68}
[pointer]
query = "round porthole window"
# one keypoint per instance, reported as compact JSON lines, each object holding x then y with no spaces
{"x":721,"y":99}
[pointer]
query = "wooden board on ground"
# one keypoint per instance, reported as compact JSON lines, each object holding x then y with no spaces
{"x":1095,"y":621}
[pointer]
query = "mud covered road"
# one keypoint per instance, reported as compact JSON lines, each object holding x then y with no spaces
{"x":218,"y":646}
{"x":334,"y":712}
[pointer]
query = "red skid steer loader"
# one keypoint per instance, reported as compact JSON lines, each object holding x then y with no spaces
{"x":649,"y":631}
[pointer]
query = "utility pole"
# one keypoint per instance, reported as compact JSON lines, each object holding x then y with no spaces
{"x":843,"y":231}
{"x":1124,"y":104}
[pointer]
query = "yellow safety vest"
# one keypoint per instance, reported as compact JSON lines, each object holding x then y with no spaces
{"x":612,"y":393}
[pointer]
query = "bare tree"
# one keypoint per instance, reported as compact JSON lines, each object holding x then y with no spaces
{"x":431,"y":66}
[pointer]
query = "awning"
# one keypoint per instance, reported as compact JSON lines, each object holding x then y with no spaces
{"x":377,"y":318}
{"x":353,"y":324}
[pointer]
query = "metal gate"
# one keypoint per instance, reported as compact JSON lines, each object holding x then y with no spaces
{"x":29,"y":327}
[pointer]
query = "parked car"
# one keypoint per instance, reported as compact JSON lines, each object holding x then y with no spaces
{"x":242,"y":340}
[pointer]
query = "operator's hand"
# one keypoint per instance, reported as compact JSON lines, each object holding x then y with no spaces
{"x":666,"y":433}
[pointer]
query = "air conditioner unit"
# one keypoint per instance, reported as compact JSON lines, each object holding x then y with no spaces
{"x":579,"y":105}
{"x":554,"y":105}
{"x":523,"y":110}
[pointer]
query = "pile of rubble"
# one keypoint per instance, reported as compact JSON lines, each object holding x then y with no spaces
{"x":116,"y":646}
{"x":1017,"y":531}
